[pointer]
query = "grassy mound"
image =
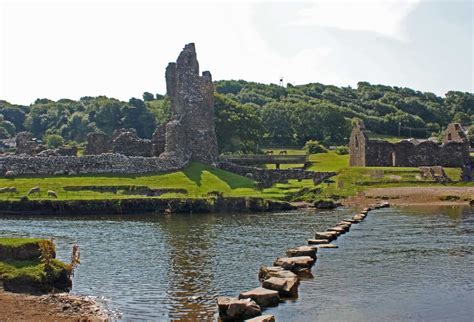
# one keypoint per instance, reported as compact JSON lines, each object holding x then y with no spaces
{"x":23,"y":270}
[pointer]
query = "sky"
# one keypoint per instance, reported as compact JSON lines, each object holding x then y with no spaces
{"x":71,"y":48}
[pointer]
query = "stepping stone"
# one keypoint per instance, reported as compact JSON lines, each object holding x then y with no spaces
{"x":328,"y":246}
{"x":291,"y":263}
{"x":262,"y":296}
{"x":337,"y":229}
{"x":325,"y":235}
{"x":231,"y":308}
{"x":263,"y":318}
{"x":286,"y":287}
{"x":317,"y":241}
{"x":344,"y":226}
{"x":274,"y":271}
{"x":367,"y":209}
{"x":304,"y":272}
{"x":345,"y":222}
{"x":302,"y":251}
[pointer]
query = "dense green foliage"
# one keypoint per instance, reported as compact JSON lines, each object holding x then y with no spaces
{"x":251,"y":115}
{"x":313,"y":146}
{"x":295,"y":114}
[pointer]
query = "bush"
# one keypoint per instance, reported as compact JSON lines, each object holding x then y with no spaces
{"x":54,"y":141}
{"x":342,"y":149}
{"x":313,"y":146}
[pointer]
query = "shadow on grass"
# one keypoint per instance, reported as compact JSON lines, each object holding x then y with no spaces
{"x":195,"y":171}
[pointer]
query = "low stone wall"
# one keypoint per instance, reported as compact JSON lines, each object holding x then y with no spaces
{"x":89,"y":164}
{"x":268,"y":177}
{"x":140,"y":206}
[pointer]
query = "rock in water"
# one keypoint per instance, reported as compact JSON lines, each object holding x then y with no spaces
{"x":302,"y":251}
{"x":291,"y":263}
{"x":263,"y":318}
{"x":286,"y":287}
{"x":234,"y":309}
{"x":262,"y":296}
{"x":317,"y":241}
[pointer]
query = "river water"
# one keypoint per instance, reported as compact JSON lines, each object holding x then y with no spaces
{"x":397,"y":265}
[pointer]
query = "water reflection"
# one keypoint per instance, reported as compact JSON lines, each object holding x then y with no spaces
{"x":410,"y":264}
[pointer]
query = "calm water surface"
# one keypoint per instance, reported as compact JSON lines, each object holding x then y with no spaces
{"x":397,"y":265}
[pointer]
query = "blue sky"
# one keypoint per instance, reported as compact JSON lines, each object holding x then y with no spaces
{"x":59,"y":49}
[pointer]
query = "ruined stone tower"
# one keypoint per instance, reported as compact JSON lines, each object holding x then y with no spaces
{"x":192,"y":105}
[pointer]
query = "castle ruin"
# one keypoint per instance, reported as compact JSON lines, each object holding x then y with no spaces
{"x":453,"y":152}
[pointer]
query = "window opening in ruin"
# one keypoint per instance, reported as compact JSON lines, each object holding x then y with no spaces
{"x":394,"y":160}
{"x":356,"y":142}
{"x":449,"y":136}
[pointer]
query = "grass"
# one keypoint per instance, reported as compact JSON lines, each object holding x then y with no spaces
{"x":17,"y":242}
{"x":197,"y":179}
{"x":30,"y":269}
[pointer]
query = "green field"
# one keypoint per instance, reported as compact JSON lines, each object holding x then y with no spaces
{"x":198,"y":180}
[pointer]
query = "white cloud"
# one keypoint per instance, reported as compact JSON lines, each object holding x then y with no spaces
{"x":379,"y":16}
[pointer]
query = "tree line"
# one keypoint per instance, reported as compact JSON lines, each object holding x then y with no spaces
{"x":251,"y":115}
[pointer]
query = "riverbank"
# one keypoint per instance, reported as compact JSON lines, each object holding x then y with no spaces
{"x":56,"y":307}
{"x":414,"y":196}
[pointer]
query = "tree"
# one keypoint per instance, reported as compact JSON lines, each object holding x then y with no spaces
{"x":54,"y":141}
{"x":237,"y":126}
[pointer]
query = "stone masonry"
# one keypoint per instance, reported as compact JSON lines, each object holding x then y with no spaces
{"x":372,"y":153}
{"x":192,"y":105}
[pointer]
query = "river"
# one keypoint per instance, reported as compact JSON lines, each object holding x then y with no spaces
{"x":397,"y":265}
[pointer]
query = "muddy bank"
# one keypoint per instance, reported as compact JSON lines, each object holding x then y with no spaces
{"x":57,"y":307}
{"x":140,"y":206}
{"x":412,"y":196}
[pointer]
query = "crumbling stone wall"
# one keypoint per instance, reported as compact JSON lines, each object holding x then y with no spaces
{"x":373,"y":153}
{"x":192,"y":104}
{"x":89,"y":164}
{"x":128,"y":143}
{"x":454,"y":133}
{"x":158,"y":140}
{"x":97,"y":143}
{"x":25,"y":144}
{"x":268,"y":177}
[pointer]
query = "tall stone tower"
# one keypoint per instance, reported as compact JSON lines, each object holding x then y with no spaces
{"x":192,"y":105}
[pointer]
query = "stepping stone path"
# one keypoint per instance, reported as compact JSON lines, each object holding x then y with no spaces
{"x":283,"y":279}
{"x":317,"y":241}
{"x":274,"y":271}
{"x":286,"y":287}
{"x":231,"y":308}
{"x":326,"y":235}
{"x":302,"y":251}
{"x":262,"y":296}
{"x":328,"y":246}
{"x":263,"y":318}
{"x":292,"y":263}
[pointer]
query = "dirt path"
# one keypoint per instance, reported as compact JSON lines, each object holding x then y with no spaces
{"x":401,"y":196}
{"x":59,"y":307}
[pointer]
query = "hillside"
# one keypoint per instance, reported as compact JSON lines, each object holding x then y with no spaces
{"x":251,"y":115}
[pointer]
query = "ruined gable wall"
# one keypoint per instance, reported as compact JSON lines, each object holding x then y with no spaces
{"x":357,"y":147}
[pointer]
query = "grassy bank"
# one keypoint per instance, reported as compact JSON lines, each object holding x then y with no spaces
{"x":24,"y":267}
{"x":200,"y":181}
{"x":195,"y":181}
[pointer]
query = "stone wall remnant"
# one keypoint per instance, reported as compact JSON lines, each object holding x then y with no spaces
{"x":454,"y":133}
{"x":158,"y":140}
{"x":192,"y":104}
{"x":378,"y":153}
{"x":128,"y":143}
{"x":25,"y":144}
{"x":97,"y":143}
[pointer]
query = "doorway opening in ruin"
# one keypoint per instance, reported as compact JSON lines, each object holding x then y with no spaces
{"x":356,"y":142}
{"x":393,"y":158}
